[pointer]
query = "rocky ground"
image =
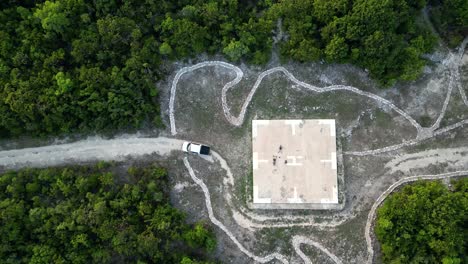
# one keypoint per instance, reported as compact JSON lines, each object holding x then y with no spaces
{"x":363,"y":123}
{"x":387,"y":137}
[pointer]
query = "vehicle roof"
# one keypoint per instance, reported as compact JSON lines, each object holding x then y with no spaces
{"x":195,"y":147}
{"x":205,"y":150}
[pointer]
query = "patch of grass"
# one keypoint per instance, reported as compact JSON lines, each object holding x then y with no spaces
{"x":244,"y":129}
{"x":244,"y":188}
{"x":346,"y":107}
{"x":382,"y":119}
{"x":456,"y":111}
{"x":425,"y":121}
{"x":274,"y":238}
{"x":158,"y":122}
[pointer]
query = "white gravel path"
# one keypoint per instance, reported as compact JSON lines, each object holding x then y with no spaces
{"x":454,"y":158}
{"x":297,"y":240}
{"x":461,"y":51}
{"x":372,"y":213}
{"x":452,"y":62}
{"x":237,"y":121}
{"x":120,"y":148}
{"x":221,"y":226}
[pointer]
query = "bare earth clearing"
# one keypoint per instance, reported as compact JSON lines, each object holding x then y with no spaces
{"x":388,"y":138}
{"x":372,"y":169}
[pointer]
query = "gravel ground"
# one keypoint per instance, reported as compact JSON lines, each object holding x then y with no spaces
{"x":361,"y":124}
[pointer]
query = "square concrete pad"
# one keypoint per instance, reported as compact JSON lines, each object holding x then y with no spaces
{"x":294,"y":162}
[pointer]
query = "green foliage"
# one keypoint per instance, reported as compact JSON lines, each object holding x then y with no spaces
{"x":235,"y":50}
{"x":200,"y":236}
{"x":72,"y":65}
{"x":88,"y":215}
{"x":451,"y":19}
{"x":336,"y":50}
{"x":165,"y":49}
{"x":374,"y":34}
{"x":88,"y":66}
{"x":424,"y":223}
{"x":64,"y":84}
{"x":52,"y":16}
{"x":75,"y":65}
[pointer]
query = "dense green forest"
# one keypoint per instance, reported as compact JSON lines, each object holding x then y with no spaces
{"x":88,"y":214}
{"x":383,"y":37}
{"x":425,"y":222}
{"x":86,"y":66}
{"x":450,"y":18}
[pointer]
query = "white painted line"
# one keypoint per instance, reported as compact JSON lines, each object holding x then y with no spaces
{"x":254,"y":130}
{"x":331,"y":123}
{"x":335,"y":194}
{"x":332,"y":160}
{"x":294,"y":160}
{"x":329,"y":201}
{"x":256,"y":161}
{"x":295,"y":198}
{"x":255,"y":124}
{"x":256,"y":199}
{"x":293,"y":124}
{"x":333,"y":199}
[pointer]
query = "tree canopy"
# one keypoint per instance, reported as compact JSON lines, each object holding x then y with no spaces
{"x":88,"y":66}
{"x":88,"y":214}
{"x":425,"y":222}
{"x":380,"y":36}
{"x":451,"y":19}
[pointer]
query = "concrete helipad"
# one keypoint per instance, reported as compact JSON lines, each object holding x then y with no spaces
{"x":294,"y":163}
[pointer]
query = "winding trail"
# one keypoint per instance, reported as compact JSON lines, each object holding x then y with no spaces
{"x":120,"y":148}
{"x":239,"y":75}
{"x":452,"y":62}
{"x":237,"y":121}
{"x":296,"y":241}
{"x":221,"y":226}
{"x":372,"y":213}
{"x":461,"y":51}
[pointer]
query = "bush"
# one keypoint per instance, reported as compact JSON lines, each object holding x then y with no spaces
{"x":424,"y":223}
{"x":84,"y":215}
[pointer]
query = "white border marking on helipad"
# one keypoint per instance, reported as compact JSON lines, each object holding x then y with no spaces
{"x":334,"y":200}
{"x":256,"y":161}
{"x":331,"y":123}
{"x":332,"y":160}
{"x":255,"y":124}
{"x":295,"y":198}
{"x":293,"y":124}
{"x":256,"y":199}
{"x":335,"y":194}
